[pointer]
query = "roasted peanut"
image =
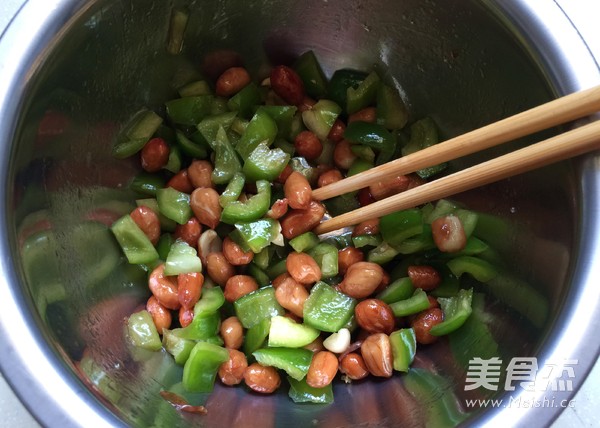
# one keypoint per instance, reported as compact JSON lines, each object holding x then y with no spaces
{"x":423,"y":322}
{"x":262,"y":379}
{"x":186,"y":316}
{"x":297,"y":191}
{"x":448,"y":234}
{"x":364,"y":197}
{"x":343,"y":156}
{"x":234,"y":253}
{"x":231,"y":372}
{"x":389,"y":187}
{"x":283,"y":176}
{"x":296,"y":222}
{"x":218,"y":268}
{"x":306,"y":104}
{"x":232,"y":81}
{"x":303,"y":268}
{"x":425,"y":277}
{"x":147,"y":220}
{"x":200,"y":173}
{"x":287,"y":84}
{"x":375,"y":316}
{"x":189,"y":232}
{"x":336,"y":133}
{"x":238,"y":286}
{"x":329,"y":177}
{"x":160,"y":315}
{"x":322,"y":370}
{"x":155,"y":154}
{"x":353,"y":365}
{"x":291,"y":296}
{"x":232,"y":333}
{"x":368,"y":114}
{"x":204,"y":202}
{"x":376,"y":351}
{"x":433,"y":303}
{"x":278,"y":209}
{"x":189,"y":286}
{"x":181,"y":182}
{"x":308,"y":145}
{"x":282,"y":278}
{"x":164,"y":288}
{"x":347,"y":257}
{"x":316,"y":345}
{"x":361,"y":279}
{"x":367,"y":227}
{"x":209,"y":242}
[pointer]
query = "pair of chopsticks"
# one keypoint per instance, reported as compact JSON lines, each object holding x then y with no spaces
{"x":563,"y":146}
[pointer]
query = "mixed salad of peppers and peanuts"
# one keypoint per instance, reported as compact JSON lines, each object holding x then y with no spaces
{"x":241,"y":289}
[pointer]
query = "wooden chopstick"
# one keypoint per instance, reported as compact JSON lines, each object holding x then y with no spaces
{"x":556,"y":112}
{"x":563,"y":146}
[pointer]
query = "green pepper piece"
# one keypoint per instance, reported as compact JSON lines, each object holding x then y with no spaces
{"x":400,"y":289}
{"x":404,"y":347}
{"x":174,"y":204}
{"x":205,"y":323}
{"x":245,"y":100}
{"x":327,"y":309}
{"x":456,"y":311}
{"x":301,"y":392}
{"x":480,"y":269}
{"x":363,"y":95}
{"x":179,"y":347}
{"x":366,"y":241}
{"x":342,"y":204}
{"x":209,"y":127}
{"x":308,"y":68}
{"x":262,"y":128}
{"x":220,"y":107}
{"x":136,"y":134}
{"x":364,"y":153}
{"x":372,"y":135}
{"x":177,"y":26}
{"x":164,"y":245}
{"x":256,"y":336}
{"x":391,"y":110}
{"x":264,"y":163}
{"x":277,"y":269}
{"x":147,"y":184}
{"x":189,"y":110}
{"x":416,"y":303}
{"x":285,"y":146}
{"x":423,"y":134}
{"x":201,"y":367}
{"x":233,"y":190}
{"x":134,"y":242}
{"x":321,"y":117}
{"x":194,"y":89}
{"x":401,"y":225}
{"x":142,"y":331}
{"x":250,"y":210}
{"x":283,"y":117}
{"x":257,"y":305}
{"x":295,"y":362}
{"x":166,"y":224}
{"x":304,"y":242}
{"x":326,"y":256}
{"x":226,"y":160}
{"x":340,"y":82}
{"x":259,"y":275}
{"x":263,"y":258}
{"x":450,"y":283}
{"x":256,"y":235}
{"x":210,"y":301}
{"x":174,"y":161}
{"x":182,"y":258}
{"x":419,"y":243}
{"x":382,"y":254}
{"x":287,"y":333}
{"x":191,"y":148}
{"x":358,"y":166}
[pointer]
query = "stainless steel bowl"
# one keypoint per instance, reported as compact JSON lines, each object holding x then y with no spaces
{"x":72,"y":71}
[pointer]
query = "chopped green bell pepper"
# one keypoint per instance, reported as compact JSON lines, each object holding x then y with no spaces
{"x":233,"y":190}
{"x":397,"y":227}
{"x":200,"y":369}
{"x":382,"y":254}
{"x":304,"y":242}
{"x":423,"y":134}
{"x":136,"y":134}
{"x":400,"y":289}
{"x":179,"y":347}
{"x":174,"y":204}
{"x":256,"y":306}
{"x":301,"y":392}
{"x":142,"y":331}
{"x":209,"y":126}
{"x":256,"y":235}
{"x":134,"y":242}
{"x":416,"y":303}
{"x":340,"y":82}
{"x":189,"y":110}
{"x":456,"y":311}
{"x":245,"y":100}
{"x":366,"y":241}
{"x":391,"y":110}
{"x":404,"y":347}
{"x":283,"y":117}
{"x":250,"y":210}
{"x":182,"y":258}
{"x":264,"y":163}
{"x":372,"y":135}
{"x":321,"y":117}
{"x":262,"y":128}
{"x":308,"y":68}
{"x":287,"y":333}
{"x":363,"y":95}
{"x":193,"y":149}
{"x":256,"y":336}
{"x":326,"y":256}
{"x":327,"y":309}
{"x":194,"y":89}
{"x":479,"y":269}
{"x":294,"y":361}
{"x":147,"y":184}
{"x":227,"y":163}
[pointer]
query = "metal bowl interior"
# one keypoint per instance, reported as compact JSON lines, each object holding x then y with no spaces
{"x":87,"y":66}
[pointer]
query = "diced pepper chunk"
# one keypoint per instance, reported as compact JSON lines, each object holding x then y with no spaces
{"x":256,"y":306}
{"x":327,"y":309}
{"x":142,"y":331}
{"x":285,"y":332}
{"x":404,"y":347}
{"x":135,"y":244}
{"x":456,"y":311}
{"x":200,"y":369}
{"x":294,"y":361}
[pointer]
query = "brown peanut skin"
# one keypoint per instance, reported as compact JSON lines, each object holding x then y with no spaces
{"x":367,"y":227}
{"x":160,"y":315}
{"x":303,"y":268}
{"x":389,"y":187}
{"x":147,"y":220}
{"x":231,"y":372}
{"x":200,"y":173}
{"x":376,"y":351}
{"x":234,"y":253}
{"x":238,"y":286}
{"x":204,"y":202}
{"x":155,"y":155}
{"x":322,"y":370}
{"x":343,"y":156}
{"x":336,"y":133}
{"x":425,"y":277}
{"x":287,"y":84}
{"x":291,"y":296}
{"x":189,"y":232}
{"x":218,"y":268}
{"x":262,"y":379}
{"x":232,"y":81}
{"x":189,"y":288}
{"x":362,"y":279}
{"x":308,"y":145}
{"x":164,"y":288}
{"x":329,"y":177}
{"x":186,"y":316}
{"x":353,"y":365}
{"x":423,"y":322}
{"x":296,"y":222}
{"x":232,"y":333}
{"x":375,"y":316}
{"x":368,"y":114}
{"x":347,"y":257}
{"x":448,"y":234}
{"x":181,"y":182}
{"x":278,"y":209}
{"x":297,"y":191}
